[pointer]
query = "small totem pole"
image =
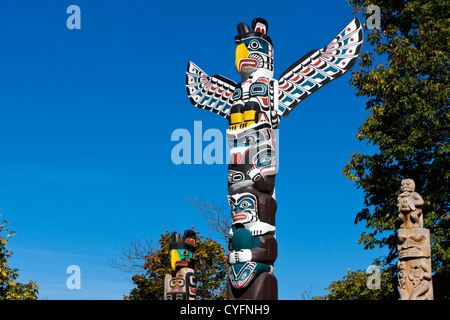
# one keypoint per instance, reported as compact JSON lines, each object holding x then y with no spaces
{"x":181,"y":284}
{"x":253,"y":109}
{"x":413,"y":244}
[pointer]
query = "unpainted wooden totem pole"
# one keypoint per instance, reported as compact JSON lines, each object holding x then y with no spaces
{"x":413,"y":244}
{"x":181,"y":283}
{"x":253,"y":109}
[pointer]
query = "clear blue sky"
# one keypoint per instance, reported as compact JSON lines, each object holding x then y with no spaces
{"x":85,"y":137}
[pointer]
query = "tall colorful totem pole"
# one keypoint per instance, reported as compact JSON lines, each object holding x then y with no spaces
{"x":253,"y":109}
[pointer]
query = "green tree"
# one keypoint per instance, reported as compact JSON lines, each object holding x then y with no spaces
{"x":210,"y":270}
{"x":10,"y":289}
{"x":354,"y":286}
{"x":408,"y":92}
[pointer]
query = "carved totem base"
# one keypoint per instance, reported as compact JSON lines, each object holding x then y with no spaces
{"x":414,"y":264}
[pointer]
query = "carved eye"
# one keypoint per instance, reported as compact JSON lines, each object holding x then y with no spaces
{"x":237,"y":94}
{"x":185,"y":253}
{"x":254,"y":45}
{"x":245,"y":204}
{"x":419,"y":238}
{"x":250,"y":140}
{"x":266,"y":160}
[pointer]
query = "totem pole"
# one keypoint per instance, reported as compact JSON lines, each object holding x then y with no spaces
{"x":181,"y":284}
{"x":413,"y":244}
{"x":253,"y":108}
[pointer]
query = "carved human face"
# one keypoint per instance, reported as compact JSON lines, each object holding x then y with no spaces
{"x":243,"y":207}
{"x":413,"y":243}
{"x":408,"y":185}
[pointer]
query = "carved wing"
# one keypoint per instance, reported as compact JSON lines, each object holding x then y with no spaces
{"x":319,"y":67}
{"x":213,"y":93}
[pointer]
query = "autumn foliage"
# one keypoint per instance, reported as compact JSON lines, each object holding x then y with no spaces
{"x":210,"y":270}
{"x":10,"y":288}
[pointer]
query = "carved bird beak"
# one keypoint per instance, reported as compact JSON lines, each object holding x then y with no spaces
{"x":174,"y":257}
{"x":241,"y":53}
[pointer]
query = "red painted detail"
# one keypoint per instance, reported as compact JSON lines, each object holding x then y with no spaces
{"x":238,"y":217}
{"x":262,"y":118}
{"x":317,"y":63}
{"x":181,"y":263}
{"x":236,"y":158}
{"x":285,"y":86}
{"x":263,"y":80}
{"x":307,"y":70}
{"x":247,"y":63}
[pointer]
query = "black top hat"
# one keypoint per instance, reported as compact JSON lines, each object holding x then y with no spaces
{"x":259,"y":29}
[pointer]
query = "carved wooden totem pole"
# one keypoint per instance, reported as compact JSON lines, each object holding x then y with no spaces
{"x":414,"y":250}
{"x":181,"y":284}
{"x":253,"y":109}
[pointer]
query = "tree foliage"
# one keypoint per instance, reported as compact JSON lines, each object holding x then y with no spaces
{"x":354,"y":286}
{"x":10,"y":289}
{"x":408,"y":92}
{"x":210,"y":270}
